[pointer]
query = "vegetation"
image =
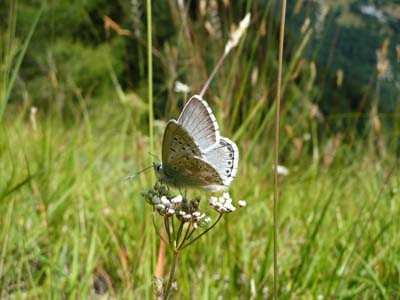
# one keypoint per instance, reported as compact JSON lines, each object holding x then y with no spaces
{"x":74,"y":124}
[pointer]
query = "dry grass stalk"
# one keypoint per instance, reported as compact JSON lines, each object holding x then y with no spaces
{"x":339,"y":78}
{"x":111,"y":24}
{"x":32,"y":117}
{"x":382,"y":64}
{"x":305,"y":25}
{"x":136,"y":18}
{"x":331,"y":149}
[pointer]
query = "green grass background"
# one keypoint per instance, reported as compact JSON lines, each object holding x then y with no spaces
{"x":70,"y":228}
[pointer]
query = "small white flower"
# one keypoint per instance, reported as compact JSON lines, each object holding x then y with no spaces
{"x":170,"y":211}
{"x":187,"y":217}
{"x":165,"y":201}
{"x":177,"y":199}
{"x":218,"y":205}
{"x":282,"y":170}
{"x":196,"y":214}
{"x":207,"y":219}
{"x":212,"y":200}
{"x":159,"y":207}
{"x":226,"y":196}
{"x":155,"y":199}
{"x":181,"y":87}
{"x":181,"y":213}
{"x":228,"y":202}
{"x":242,"y":203}
{"x":221,"y":200}
{"x":229,"y":208}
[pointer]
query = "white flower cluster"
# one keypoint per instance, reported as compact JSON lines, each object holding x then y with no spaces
{"x":224,"y":204}
{"x":168,"y":205}
{"x":179,"y":207}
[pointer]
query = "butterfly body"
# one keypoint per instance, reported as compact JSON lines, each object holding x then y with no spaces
{"x":194,"y":155}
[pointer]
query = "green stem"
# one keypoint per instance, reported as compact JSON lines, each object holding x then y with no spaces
{"x":200,"y":235}
{"x":178,"y":236}
{"x":186,"y":235}
{"x":156,"y":230}
{"x":171,"y":276}
{"x":150,"y":76}
{"x":276,"y":144}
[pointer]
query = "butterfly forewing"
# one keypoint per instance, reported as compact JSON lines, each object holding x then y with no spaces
{"x":199,"y":121}
{"x":176,"y":142}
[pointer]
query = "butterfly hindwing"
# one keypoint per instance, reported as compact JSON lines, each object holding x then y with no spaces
{"x":194,"y":171}
{"x":224,"y":157}
{"x":199,"y":121}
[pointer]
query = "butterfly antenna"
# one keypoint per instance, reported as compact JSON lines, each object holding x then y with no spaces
{"x":133,"y":176}
{"x":155,"y":156}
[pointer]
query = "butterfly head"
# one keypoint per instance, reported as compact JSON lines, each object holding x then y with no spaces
{"x":158,"y":169}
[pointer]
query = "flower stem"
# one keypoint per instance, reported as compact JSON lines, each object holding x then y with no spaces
{"x":171,"y":275}
{"x":200,"y":235}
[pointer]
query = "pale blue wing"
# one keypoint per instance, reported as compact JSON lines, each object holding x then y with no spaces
{"x":224,"y":157}
{"x":199,"y":121}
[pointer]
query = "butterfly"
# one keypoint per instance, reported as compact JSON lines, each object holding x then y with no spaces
{"x":194,"y":154}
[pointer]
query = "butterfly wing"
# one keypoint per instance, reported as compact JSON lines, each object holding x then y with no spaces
{"x":194,"y":154}
{"x":195,"y":172}
{"x":177,"y":141}
{"x":224,"y":157}
{"x":199,"y":121}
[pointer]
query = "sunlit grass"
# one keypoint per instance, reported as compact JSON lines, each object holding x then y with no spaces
{"x":72,"y":227}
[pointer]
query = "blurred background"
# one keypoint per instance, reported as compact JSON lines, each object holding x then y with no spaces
{"x":74,"y":119}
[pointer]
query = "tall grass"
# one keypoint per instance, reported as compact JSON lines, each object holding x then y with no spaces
{"x":12,"y":55}
{"x":70,"y":228}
